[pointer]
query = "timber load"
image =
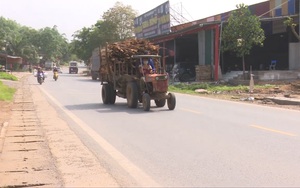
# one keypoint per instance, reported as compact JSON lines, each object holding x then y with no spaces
{"x":122,"y":52}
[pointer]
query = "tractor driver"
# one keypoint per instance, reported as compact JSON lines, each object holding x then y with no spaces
{"x":151,"y":62}
{"x":145,"y":68}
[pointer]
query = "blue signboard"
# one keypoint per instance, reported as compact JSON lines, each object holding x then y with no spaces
{"x":153,"y":22}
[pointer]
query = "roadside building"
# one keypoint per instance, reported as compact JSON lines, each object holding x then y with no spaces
{"x":198,"y":42}
{"x":10,"y":62}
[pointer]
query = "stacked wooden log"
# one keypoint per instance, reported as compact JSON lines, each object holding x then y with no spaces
{"x":122,"y":52}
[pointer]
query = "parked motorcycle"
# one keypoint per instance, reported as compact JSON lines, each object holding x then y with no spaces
{"x":183,"y":72}
{"x":55,"y":75}
{"x":40,"y":78}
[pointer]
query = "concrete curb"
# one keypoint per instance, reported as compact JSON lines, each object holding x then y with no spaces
{"x":3,"y":129}
{"x":284,"y":100}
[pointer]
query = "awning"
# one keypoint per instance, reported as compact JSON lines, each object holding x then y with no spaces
{"x":11,"y":59}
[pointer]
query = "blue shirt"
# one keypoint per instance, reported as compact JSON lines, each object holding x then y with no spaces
{"x":151,"y":63}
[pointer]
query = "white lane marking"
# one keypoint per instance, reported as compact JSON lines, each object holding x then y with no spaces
{"x":140,"y":176}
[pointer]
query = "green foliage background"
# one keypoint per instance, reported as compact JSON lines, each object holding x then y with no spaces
{"x":47,"y":44}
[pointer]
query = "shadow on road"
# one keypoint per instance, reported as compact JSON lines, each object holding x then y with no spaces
{"x":118,"y":107}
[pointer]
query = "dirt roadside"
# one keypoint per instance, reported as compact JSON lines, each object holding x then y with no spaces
{"x":283,"y":94}
{"x":37,"y":148}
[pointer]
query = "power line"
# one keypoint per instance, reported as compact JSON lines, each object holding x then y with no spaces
{"x":177,"y":14}
{"x":273,"y":9}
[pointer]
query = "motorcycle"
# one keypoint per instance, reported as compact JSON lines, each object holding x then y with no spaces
{"x":55,"y":75}
{"x":183,"y":72}
{"x":40,"y":78}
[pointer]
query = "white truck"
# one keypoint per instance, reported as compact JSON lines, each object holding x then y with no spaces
{"x":49,"y":65}
{"x":95,"y":64}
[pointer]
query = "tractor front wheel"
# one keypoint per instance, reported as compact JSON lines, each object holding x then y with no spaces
{"x":146,"y":102}
{"x":171,"y":101}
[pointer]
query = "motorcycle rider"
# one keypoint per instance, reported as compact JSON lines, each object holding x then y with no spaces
{"x":55,"y":72}
{"x":40,"y":71}
{"x":55,"y":69}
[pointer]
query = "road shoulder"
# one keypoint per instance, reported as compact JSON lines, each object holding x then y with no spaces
{"x":39,"y":148}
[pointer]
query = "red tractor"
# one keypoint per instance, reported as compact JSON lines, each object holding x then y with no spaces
{"x":142,"y":80}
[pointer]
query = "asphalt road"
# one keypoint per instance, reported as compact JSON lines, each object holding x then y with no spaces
{"x":203,"y":142}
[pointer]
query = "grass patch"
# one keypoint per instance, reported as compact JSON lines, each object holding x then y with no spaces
{"x":6,"y":93}
{"x":190,"y":88}
{"x":6,"y":76}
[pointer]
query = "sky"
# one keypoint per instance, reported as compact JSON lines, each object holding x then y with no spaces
{"x":72,"y":15}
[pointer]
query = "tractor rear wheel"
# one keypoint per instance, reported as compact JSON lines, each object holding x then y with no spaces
{"x":105,"y":93}
{"x":112,"y":95}
{"x":132,"y":95}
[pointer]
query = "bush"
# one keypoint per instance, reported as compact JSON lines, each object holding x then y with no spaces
{"x":6,"y":93}
{"x":6,"y":76}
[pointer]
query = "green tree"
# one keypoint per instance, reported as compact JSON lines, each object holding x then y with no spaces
{"x":116,"y":24}
{"x":242,"y":32}
{"x":51,"y":44}
{"x":106,"y":31}
{"x":87,"y":39}
{"x":81,"y":43}
{"x":29,"y":43}
{"x":24,"y":45}
{"x":290,"y":23}
{"x":122,"y":17}
{"x":9,"y":35}
{"x":16,"y":40}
